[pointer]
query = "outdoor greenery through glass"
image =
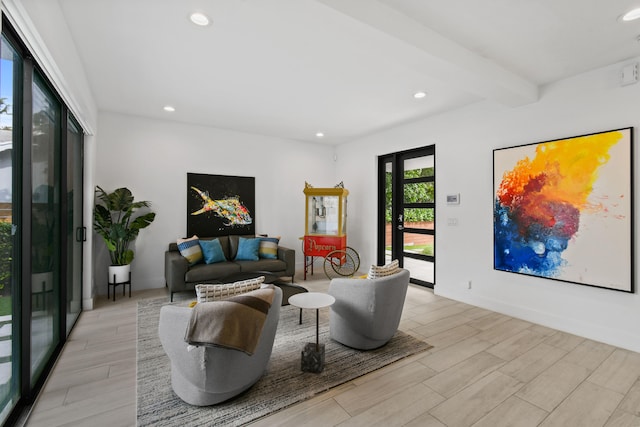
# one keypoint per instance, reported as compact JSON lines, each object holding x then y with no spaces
{"x":417,"y":192}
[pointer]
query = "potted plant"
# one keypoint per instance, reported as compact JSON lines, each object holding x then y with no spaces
{"x":115,"y":222}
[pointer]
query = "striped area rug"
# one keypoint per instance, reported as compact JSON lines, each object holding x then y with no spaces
{"x":283,"y":385}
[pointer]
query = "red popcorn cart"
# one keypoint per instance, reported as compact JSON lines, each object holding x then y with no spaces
{"x":326,"y":231}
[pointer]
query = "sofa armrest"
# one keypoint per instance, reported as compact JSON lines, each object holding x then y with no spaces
{"x":175,"y":268}
{"x":289,"y":257}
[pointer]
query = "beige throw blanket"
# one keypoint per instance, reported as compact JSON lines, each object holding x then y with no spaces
{"x":235,"y":322}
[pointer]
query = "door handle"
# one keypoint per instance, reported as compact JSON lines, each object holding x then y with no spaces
{"x":81,"y":234}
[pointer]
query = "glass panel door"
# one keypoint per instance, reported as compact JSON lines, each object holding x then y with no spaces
{"x":45,"y":227}
{"x":418,"y":207}
{"x":407,"y":207}
{"x":75,"y":230}
{"x":10,"y":71}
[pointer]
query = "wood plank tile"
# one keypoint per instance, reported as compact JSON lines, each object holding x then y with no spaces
{"x":589,"y":405}
{"x":516,"y":345}
{"x":443,"y":359}
{"x":618,"y":372}
{"x":513,"y":412}
{"x":372,"y":393}
{"x":589,"y":354}
{"x":529,"y":365}
{"x":552,"y":386}
{"x":398,"y":410}
{"x":631,"y":402}
{"x":503,"y":330}
{"x":437,"y":326}
{"x":452,"y":336}
{"x":487,"y":322}
{"x":477,"y":400}
{"x":564,"y":340}
{"x":475,"y":313}
{"x":623,"y":419}
{"x":470,"y":370}
{"x":425,"y":420}
{"x":325,"y":413}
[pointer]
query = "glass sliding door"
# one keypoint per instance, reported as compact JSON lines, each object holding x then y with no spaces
{"x":41,"y":233}
{"x":10,"y":215}
{"x":406,"y":185}
{"x":75,"y":232}
{"x":45,"y":226}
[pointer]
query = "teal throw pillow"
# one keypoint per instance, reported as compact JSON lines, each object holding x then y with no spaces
{"x":212,"y":251}
{"x":248,"y":249}
{"x":269,"y":247}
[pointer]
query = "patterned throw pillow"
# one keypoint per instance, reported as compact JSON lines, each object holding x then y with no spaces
{"x":212,"y":251}
{"x":190,"y":249}
{"x":269,"y":247}
{"x":208,"y":293}
{"x":248,"y":249}
{"x":375,"y":272}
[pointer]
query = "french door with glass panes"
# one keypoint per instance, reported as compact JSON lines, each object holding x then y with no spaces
{"x":406,"y":212}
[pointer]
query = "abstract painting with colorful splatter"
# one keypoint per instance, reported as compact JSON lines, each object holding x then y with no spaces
{"x":562,"y":209}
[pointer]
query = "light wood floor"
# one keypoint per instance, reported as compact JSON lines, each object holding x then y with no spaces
{"x":486,"y":369}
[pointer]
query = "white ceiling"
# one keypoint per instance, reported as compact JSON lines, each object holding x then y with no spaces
{"x":348,"y":68}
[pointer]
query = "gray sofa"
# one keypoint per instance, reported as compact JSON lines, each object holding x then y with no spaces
{"x":181,"y":277}
{"x":210,"y":375}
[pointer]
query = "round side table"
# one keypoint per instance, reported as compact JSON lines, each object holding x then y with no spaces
{"x":312,"y":359}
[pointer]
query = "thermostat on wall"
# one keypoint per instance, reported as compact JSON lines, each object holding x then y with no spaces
{"x":453,"y":199}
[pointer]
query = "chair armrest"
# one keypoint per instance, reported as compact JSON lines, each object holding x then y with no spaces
{"x":289,"y":257}
{"x":175,"y":268}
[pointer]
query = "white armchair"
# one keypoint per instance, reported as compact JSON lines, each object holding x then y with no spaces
{"x":367,"y":312}
{"x":210,"y":375}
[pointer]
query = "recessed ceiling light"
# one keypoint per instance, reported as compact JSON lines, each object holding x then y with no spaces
{"x":169,"y":108}
{"x":200,"y":19}
{"x":632,"y":15}
{"x":319,"y":135}
{"x":419,"y":95}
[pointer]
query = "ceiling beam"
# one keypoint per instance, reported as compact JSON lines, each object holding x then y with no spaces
{"x":432,"y":54}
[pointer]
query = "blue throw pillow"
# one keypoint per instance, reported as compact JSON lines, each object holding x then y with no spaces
{"x":248,"y":249}
{"x":212,"y":251}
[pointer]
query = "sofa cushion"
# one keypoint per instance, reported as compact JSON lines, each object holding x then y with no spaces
{"x":203,"y":273}
{"x":212,"y":251}
{"x":268,"y":247}
{"x":208,"y":293}
{"x":263,"y":264}
{"x":190,"y":249}
{"x":248,"y":249}
{"x":376,"y":272}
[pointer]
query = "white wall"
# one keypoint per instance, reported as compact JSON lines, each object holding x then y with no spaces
{"x":152,"y":158}
{"x":464,"y":141}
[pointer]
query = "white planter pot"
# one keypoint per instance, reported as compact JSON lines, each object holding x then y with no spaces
{"x":121,"y":273}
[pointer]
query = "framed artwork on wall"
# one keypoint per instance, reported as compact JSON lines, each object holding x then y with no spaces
{"x":219,"y":205}
{"x":563,"y":209}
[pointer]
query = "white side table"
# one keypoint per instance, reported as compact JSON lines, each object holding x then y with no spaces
{"x":313,"y":354}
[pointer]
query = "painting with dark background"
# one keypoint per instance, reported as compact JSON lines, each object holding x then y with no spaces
{"x":219,"y":205}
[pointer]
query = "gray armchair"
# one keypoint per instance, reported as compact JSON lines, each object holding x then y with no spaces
{"x":367,"y":312}
{"x":209,"y":375}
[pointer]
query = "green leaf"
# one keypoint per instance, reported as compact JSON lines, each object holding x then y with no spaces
{"x":115,"y":220}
